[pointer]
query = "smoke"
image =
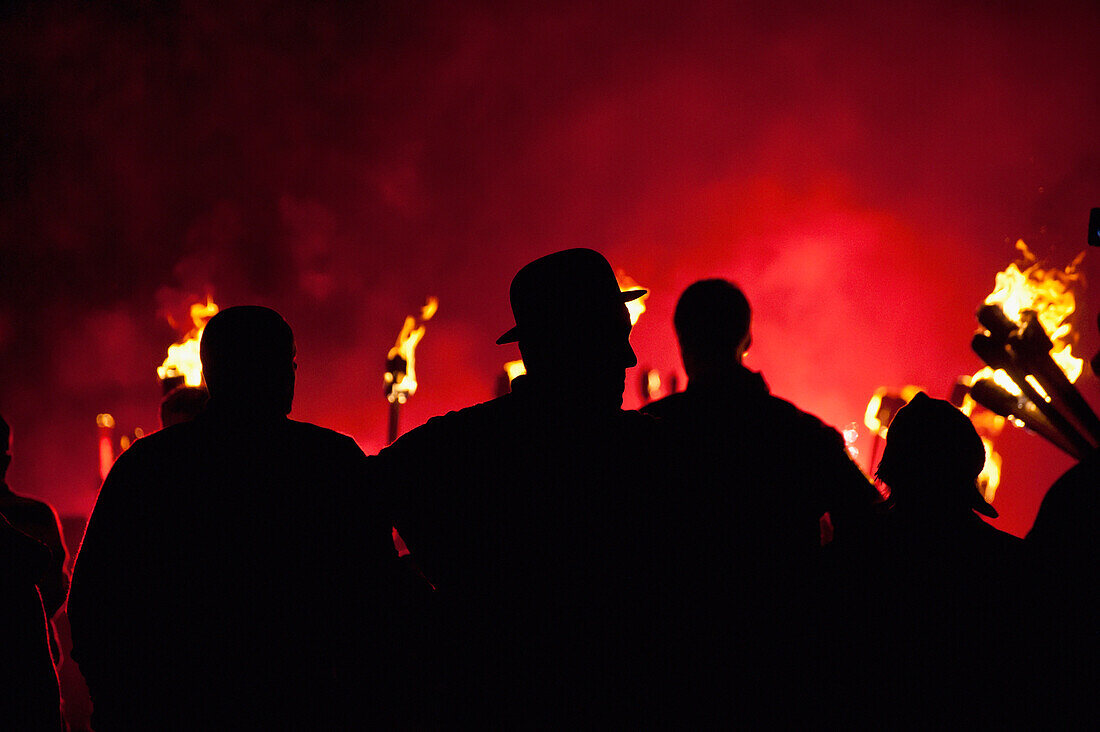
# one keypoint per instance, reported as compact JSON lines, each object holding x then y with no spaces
{"x":861,"y":170}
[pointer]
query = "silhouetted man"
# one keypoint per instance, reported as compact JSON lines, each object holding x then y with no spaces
{"x":37,"y":520}
{"x":783,"y":468}
{"x":767,"y":472}
{"x":233,"y":564}
{"x":948,"y":630}
{"x":541,"y":518}
{"x":29,"y":698}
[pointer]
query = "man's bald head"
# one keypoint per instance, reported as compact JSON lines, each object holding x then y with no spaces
{"x":247,"y":355}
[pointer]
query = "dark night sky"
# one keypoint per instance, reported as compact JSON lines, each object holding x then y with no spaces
{"x":861,"y":170}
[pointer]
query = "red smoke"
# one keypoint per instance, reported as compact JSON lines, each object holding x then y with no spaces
{"x":862,"y":172}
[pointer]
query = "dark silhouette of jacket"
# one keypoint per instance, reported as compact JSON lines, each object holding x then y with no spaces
{"x":29,"y":697}
{"x":766,"y":472}
{"x":945,"y":619}
{"x":38,"y":520}
{"x":234,"y":575}
{"x":1064,"y":550}
{"x":549,"y":532}
{"x":774,"y":469}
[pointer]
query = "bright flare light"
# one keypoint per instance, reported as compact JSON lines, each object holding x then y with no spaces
{"x":634,"y":307}
{"x":183,"y":357}
{"x":1047,"y":292}
{"x":515,"y":368}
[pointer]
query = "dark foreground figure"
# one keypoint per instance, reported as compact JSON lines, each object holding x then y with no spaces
{"x":233,"y":574}
{"x":1064,"y":543}
{"x":542,"y":518}
{"x":29,"y":697}
{"x":37,"y":520}
{"x":767,"y":472}
{"x":948,"y":630}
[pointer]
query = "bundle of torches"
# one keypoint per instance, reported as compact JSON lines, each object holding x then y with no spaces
{"x":1025,"y":342}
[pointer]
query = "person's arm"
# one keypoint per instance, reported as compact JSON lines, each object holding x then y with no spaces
{"x":851,"y":498}
{"x":54,"y":583}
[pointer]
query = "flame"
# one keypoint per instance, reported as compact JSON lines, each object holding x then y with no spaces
{"x":1047,"y":292}
{"x":183,"y":357}
{"x":634,"y":307}
{"x":653,"y":383}
{"x":873,"y":416}
{"x":1000,"y":377}
{"x":402,"y":385}
{"x":990,"y":477}
{"x":515,"y":368}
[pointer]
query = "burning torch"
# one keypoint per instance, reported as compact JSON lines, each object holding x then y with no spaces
{"x":1025,"y":343}
{"x":182,"y":365}
{"x":400,"y":376}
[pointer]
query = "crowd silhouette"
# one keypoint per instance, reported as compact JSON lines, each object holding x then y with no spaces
{"x":572,"y":564}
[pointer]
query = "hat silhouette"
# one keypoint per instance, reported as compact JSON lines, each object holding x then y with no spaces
{"x":561,"y":291}
{"x":932,"y":442}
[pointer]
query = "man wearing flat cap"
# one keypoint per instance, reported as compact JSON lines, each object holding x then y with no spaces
{"x":542,"y":519}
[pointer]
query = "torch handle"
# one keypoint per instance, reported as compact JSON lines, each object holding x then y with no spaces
{"x":997,"y":400}
{"x":1048,"y":410}
{"x":1060,"y":388}
{"x":395,"y":419}
{"x":999,"y":356}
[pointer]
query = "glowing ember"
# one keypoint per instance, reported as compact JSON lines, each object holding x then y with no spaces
{"x":401,"y":382}
{"x":1047,"y":292}
{"x":183,"y":357}
{"x":634,"y":307}
{"x":515,"y":368}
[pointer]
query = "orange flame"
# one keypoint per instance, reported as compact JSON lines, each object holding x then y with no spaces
{"x":402,"y":385}
{"x":876,"y":418}
{"x":515,"y":368}
{"x":634,"y":307}
{"x":990,"y":477}
{"x":183,"y":357}
{"x":1047,"y":292}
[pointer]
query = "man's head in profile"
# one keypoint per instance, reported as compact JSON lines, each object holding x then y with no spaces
{"x":713,"y":326}
{"x":247,"y":355}
{"x":572,"y":327}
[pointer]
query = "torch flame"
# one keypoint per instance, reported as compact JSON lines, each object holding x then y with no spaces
{"x":183,"y":357}
{"x":515,"y":368}
{"x":403,"y":384}
{"x":990,"y":477}
{"x":634,"y":307}
{"x":1047,"y":292}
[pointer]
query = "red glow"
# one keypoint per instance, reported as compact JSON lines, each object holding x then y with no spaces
{"x":106,"y":457}
{"x":862,"y":171}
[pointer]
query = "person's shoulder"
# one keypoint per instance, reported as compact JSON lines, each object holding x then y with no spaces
{"x":667,"y":406}
{"x":459,"y":421}
{"x":802,"y":423}
{"x":316,"y":434}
